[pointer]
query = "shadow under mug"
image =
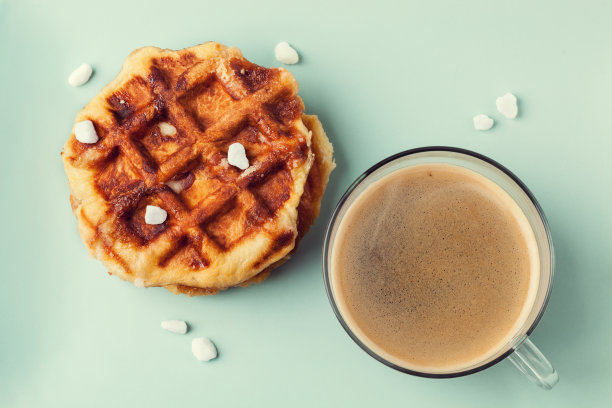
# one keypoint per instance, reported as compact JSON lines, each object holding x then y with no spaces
{"x":519,"y":350}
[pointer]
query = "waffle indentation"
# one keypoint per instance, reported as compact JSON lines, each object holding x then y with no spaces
{"x":134,"y":95}
{"x":159,"y":147}
{"x":207,"y":102}
{"x":117,"y":177}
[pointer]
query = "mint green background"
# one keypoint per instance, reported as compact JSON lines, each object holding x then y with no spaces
{"x":383,"y":77}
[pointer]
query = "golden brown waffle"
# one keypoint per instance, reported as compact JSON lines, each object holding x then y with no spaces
{"x":227,"y":225}
{"x":308,"y":209}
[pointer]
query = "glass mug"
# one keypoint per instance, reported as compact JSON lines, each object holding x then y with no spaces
{"x":519,"y":350}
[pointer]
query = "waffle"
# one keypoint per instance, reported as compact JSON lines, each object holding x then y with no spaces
{"x":226,"y":227}
{"x":308,"y":209}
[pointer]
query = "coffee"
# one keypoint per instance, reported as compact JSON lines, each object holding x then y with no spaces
{"x":434,"y":267}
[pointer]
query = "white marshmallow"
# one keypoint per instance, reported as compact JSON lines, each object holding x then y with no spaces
{"x":179,"y":185}
{"x":507,"y":106}
{"x":483,"y":122}
{"x":203,"y":349}
{"x":285,"y":53}
{"x":85,"y":132}
{"x":175,"y":185}
{"x":236,"y":156}
{"x":155,"y":215}
{"x":81,"y":75}
{"x":166,"y":129}
{"x":139,"y":283}
{"x":174,"y":326}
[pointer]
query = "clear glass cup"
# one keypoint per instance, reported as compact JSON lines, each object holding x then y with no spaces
{"x":519,"y":350}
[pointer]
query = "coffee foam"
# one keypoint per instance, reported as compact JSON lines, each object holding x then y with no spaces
{"x":385,"y":206}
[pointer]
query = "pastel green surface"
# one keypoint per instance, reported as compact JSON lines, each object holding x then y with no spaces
{"x":383,"y":77}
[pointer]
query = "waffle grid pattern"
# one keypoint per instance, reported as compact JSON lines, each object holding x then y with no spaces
{"x":212,"y":104}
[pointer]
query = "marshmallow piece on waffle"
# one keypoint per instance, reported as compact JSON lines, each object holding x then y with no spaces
{"x":175,"y":185}
{"x":155,"y":215}
{"x":236,"y":156}
{"x":81,"y":75}
{"x":507,"y":106}
{"x":203,"y":349}
{"x":285,"y":53}
{"x":85,"y":132}
{"x":174,"y":326}
{"x":483,"y":122}
{"x":166,"y":129}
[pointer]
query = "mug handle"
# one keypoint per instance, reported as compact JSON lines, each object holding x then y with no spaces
{"x":531,"y":362}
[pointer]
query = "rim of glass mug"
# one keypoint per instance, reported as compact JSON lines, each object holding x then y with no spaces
{"x":446,"y":152}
